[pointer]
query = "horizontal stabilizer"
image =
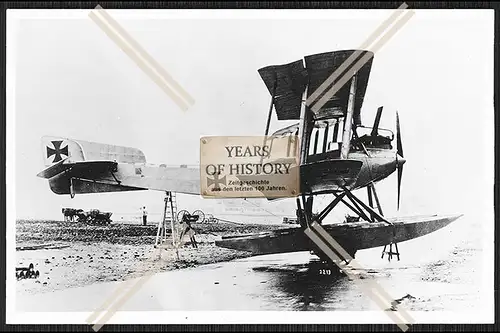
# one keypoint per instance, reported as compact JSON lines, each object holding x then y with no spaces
{"x":53,"y":170}
{"x":63,"y":183}
{"x":80,"y":168}
{"x":82,"y":186}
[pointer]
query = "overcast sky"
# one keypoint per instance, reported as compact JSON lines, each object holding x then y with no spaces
{"x":69,"y":79}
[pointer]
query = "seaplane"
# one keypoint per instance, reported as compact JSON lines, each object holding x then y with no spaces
{"x":339,"y":157}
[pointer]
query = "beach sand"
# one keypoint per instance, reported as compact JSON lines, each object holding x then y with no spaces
{"x":72,"y":254}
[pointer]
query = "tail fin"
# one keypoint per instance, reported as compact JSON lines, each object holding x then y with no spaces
{"x":56,"y":149}
{"x":76,"y":166}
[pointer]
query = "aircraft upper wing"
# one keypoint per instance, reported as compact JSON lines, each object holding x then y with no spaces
{"x":291,"y":79}
{"x":288,"y":83}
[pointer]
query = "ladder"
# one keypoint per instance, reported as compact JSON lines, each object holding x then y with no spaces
{"x":169,"y":216}
{"x":373,"y":193}
{"x":390,"y":253}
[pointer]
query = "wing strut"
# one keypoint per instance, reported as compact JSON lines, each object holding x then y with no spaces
{"x":271,"y":106}
{"x":346,"y":139}
{"x":116,"y":179}
{"x":71,"y":188}
{"x":367,"y":213}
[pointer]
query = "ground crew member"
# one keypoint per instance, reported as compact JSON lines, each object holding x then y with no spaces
{"x":144,"y":215}
{"x":188,"y":230}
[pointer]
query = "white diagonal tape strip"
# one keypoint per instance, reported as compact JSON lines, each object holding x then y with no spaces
{"x":382,"y":302}
{"x":361,"y":62}
{"x":142,"y":59}
{"x":366,"y":44}
{"x":330,"y":240}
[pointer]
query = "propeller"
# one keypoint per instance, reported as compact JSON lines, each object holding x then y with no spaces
{"x":400,"y":161}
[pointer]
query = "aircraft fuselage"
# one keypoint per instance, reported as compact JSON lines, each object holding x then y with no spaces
{"x":328,"y":175}
{"x":380,"y":164}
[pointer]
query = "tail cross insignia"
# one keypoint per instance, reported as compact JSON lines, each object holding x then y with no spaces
{"x":57,"y":151}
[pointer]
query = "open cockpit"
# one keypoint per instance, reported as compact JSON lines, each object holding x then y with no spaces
{"x":326,"y":138}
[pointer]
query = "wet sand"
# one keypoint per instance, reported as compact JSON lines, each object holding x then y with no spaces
{"x":85,"y":255}
{"x":442,"y":271}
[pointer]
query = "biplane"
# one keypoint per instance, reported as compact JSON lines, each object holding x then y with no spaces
{"x":338,"y":156}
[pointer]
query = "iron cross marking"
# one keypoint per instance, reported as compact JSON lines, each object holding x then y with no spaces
{"x":216,"y":181}
{"x":58,"y":151}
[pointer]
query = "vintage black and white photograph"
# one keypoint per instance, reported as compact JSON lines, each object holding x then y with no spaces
{"x":140,"y":187}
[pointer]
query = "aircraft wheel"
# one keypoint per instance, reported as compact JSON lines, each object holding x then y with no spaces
{"x":201,"y":216}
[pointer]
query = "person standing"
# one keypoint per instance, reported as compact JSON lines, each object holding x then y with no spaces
{"x":187,"y":229}
{"x":144,"y":215}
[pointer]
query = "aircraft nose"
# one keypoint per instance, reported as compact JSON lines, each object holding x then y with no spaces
{"x":400,"y":160}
